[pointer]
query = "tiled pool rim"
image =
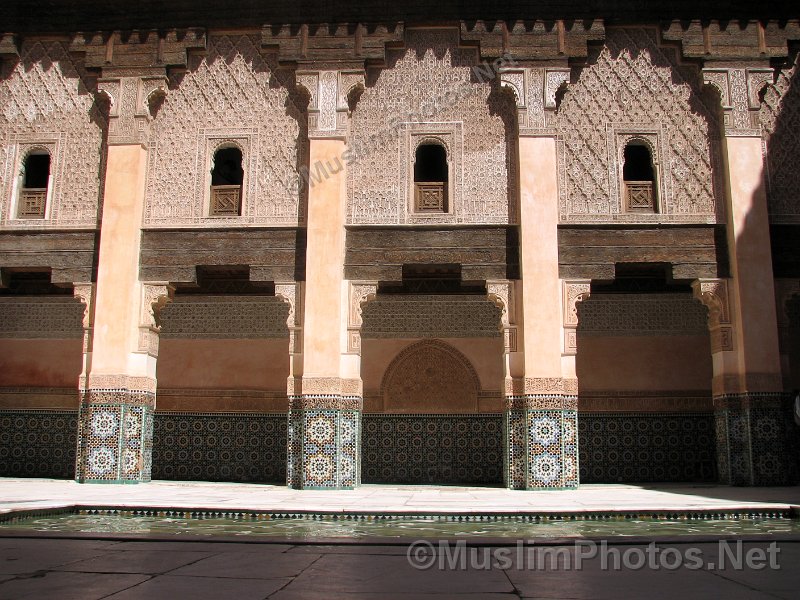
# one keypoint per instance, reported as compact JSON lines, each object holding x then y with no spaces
{"x":10,"y":517}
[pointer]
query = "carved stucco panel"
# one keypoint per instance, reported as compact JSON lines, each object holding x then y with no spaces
{"x":780,"y":122}
{"x":232,"y":88}
{"x":632,"y":80}
{"x":431,"y":81}
{"x":46,"y":96}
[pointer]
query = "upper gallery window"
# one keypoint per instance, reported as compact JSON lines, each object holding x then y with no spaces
{"x":35,"y":181}
{"x":430,"y":178}
{"x":226,"y":183}
{"x":639,"y":178}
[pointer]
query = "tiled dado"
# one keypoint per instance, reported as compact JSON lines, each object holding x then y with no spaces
{"x":433,"y":448}
{"x":323,"y":442}
{"x":115,"y":436}
{"x":38,"y":443}
{"x":220,"y":446}
{"x":757,"y":440}
{"x":541,"y":443}
{"x":646,"y":447}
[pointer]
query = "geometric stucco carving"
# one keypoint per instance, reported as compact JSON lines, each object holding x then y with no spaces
{"x":430,"y":374}
{"x":715,"y":295}
{"x":739,"y":89}
{"x":780,"y":123}
{"x":535,"y":90}
{"x":502,"y":294}
{"x":572,"y":292}
{"x":292,"y":294}
{"x":359,"y":294}
{"x":634,"y":85}
{"x":431,"y":87}
{"x":46,"y":103}
{"x":154,"y":296}
{"x":236,"y":91}
{"x":329,"y":94}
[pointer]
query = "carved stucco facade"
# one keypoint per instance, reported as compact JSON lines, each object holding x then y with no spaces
{"x":233,"y":95}
{"x":780,"y":122}
{"x":47,"y":103}
{"x":428,"y":92}
{"x":424,"y":355}
{"x":634,"y":88}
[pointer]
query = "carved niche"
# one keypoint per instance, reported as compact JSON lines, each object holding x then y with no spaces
{"x":780,"y":122}
{"x":430,"y":377}
{"x":428,"y":88}
{"x":633,"y":85}
{"x":45,"y":103}
{"x":233,"y":95}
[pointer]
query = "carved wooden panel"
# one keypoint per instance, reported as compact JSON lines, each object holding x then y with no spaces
{"x":274,"y":254}
{"x":429,"y":87}
{"x":46,"y":103}
{"x":69,"y":254}
{"x":232,"y":91}
{"x":632,"y":83}
{"x":591,"y":253}
{"x":378,"y":254}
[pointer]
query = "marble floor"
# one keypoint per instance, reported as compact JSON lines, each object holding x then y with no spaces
{"x":16,"y":494}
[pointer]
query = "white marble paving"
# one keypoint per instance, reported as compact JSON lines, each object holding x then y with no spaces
{"x":16,"y":494}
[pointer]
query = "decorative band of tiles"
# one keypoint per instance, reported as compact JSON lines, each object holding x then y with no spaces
{"x":541,"y":449}
{"x":542,"y":402}
{"x":646,"y":447}
{"x":757,"y":441}
{"x":38,"y":443}
{"x":242,"y":447}
{"x":433,"y":449}
{"x":732,"y":514}
{"x":323,"y":449}
{"x":115,"y":441}
{"x":325,"y":401}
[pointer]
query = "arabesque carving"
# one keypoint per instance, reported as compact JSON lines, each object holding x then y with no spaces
{"x":429,"y":85}
{"x":714,"y":294}
{"x":232,"y":88}
{"x":154,"y":297}
{"x":46,"y":99}
{"x":780,"y":124}
{"x":633,"y":82}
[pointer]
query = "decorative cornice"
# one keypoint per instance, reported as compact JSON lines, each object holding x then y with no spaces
{"x":533,"y":40}
{"x":137,"y":52}
{"x":732,"y":40}
{"x":336,"y":45}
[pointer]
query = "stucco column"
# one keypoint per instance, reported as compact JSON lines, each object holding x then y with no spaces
{"x":118,"y":383}
{"x":325,"y":402}
{"x":541,"y":405}
{"x":751,"y":409}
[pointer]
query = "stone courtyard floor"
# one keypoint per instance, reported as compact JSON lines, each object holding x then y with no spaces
{"x":42,"y":567}
{"x":16,"y":494}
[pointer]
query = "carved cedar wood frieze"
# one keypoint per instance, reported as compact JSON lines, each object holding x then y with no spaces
{"x":46,"y":104}
{"x":633,"y":84}
{"x":232,"y":96}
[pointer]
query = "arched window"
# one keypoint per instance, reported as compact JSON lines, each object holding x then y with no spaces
{"x":226,"y":183}
{"x":639,"y":178}
{"x":430,"y":178}
{"x":35,"y":181}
